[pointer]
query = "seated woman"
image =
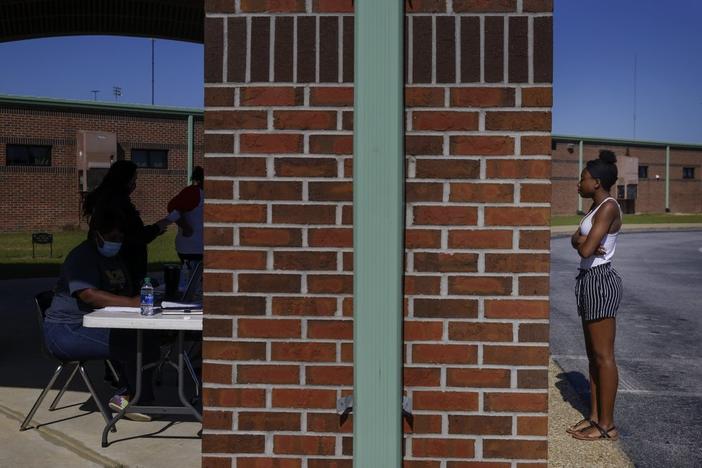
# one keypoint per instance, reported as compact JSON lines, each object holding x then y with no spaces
{"x":94,"y":275}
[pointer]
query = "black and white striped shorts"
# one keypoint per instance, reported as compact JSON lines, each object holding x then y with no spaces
{"x":598,"y":292}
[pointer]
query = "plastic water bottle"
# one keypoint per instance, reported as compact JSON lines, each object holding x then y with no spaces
{"x":147,"y":297}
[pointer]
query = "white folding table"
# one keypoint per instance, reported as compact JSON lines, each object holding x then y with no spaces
{"x":133,"y":320}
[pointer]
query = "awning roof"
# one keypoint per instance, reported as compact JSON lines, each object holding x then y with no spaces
{"x":181,"y":20}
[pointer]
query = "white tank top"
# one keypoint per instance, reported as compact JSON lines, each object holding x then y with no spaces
{"x":194,"y":217}
{"x":609,"y":242}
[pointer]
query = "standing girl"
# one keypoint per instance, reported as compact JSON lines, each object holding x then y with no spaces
{"x":598,"y":291}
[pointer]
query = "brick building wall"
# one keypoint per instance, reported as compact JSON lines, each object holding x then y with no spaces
{"x":685,"y":194}
{"x":278,"y":328}
{"x":47,"y":198}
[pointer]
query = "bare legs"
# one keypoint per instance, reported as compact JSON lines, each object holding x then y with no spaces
{"x":604,"y":377}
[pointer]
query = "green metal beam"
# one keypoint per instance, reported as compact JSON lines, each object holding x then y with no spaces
{"x":378,"y":189}
{"x":667,"y":178}
{"x":191,"y":136}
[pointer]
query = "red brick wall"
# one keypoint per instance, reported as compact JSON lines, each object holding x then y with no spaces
{"x":278,"y":324}
{"x":47,"y":198}
{"x":685,"y":194}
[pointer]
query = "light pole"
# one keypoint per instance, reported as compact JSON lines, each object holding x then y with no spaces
{"x":152,"y":71}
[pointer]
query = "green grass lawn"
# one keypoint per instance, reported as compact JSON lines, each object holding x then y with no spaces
{"x":16,"y":253}
{"x":662,"y":218}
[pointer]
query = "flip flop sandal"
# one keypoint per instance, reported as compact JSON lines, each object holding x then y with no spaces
{"x":572,"y":429}
{"x":604,"y":434}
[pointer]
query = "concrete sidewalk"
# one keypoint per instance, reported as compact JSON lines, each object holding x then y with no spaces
{"x":565,"y":408}
{"x":70,"y":436}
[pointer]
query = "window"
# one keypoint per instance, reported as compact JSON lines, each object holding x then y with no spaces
{"x":620,"y":192}
{"x":631,"y":192}
{"x":152,"y":158}
{"x":688,"y":172}
{"x":643,"y":172}
{"x":28,"y":155}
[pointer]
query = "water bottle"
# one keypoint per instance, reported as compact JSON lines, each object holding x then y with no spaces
{"x":147,"y":297}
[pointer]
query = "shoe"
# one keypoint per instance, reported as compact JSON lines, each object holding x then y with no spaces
{"x":601,"y":434}
{"x":579,"y":426}
{"x":119,"y":402}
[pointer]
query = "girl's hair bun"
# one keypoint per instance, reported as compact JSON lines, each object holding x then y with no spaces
{"x":608,"y":156}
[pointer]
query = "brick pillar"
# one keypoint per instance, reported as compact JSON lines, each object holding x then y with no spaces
{"x":278,"y":326}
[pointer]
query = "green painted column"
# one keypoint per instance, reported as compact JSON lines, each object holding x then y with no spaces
{"x":580,"y":171}
{"x":191,"y":136}
{"x":378,"y":197}
{"x":667,"y":179}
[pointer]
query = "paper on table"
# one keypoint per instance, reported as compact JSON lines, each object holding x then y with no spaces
{"x":119,"y":309}
{"x":181,"y":305}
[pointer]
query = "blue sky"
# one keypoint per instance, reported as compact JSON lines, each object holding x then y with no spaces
{"x":70,"y":67}
{"x":595,"y":42}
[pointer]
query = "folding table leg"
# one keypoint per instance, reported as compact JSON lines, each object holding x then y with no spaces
{"x":91,"y":389}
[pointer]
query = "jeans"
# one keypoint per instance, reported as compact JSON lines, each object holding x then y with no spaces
{"x":74,"y":342}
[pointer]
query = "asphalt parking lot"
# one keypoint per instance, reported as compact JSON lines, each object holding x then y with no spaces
{"x":658,"y":347}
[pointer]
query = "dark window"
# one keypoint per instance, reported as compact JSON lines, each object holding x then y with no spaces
{"x":620,"y":192}
{"x":688,"y":172}
{"x":153,"y":158}
{"x":631,"y":192}
{"x":643,"y":172}
{"x":28,"y":155}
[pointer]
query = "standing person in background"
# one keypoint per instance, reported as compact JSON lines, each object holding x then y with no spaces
{"x":598,"y":291}
{"x":185,"y":209}
{"x":116,"y":188}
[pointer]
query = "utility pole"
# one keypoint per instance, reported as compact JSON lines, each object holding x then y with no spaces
{"x":635,"y":60}
{"x":152,"y":71}
{"x":117,"y":92}
{"x":95,"y":91}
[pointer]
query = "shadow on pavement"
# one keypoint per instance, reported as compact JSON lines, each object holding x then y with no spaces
{"x":572,"y":385}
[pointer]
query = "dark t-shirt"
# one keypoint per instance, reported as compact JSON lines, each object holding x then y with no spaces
{"x":85,"y":268}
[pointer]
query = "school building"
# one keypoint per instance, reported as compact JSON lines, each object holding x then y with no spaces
{"x":52,"y":151}
{"x":654,"y":177}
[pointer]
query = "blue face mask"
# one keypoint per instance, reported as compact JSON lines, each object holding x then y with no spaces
{"x":108,"y":249}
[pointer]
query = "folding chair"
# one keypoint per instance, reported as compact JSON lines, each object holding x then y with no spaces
{"x":43,"y":301}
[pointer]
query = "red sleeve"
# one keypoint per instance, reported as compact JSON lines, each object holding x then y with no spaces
{"x":186,"y":200}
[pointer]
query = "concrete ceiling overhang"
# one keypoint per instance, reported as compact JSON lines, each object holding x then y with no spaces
{"x":180,"y":20}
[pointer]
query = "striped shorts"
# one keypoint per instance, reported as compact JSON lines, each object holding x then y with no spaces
{"x":598,"y":292}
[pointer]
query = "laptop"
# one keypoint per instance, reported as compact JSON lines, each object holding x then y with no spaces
{"x":191,"y":300}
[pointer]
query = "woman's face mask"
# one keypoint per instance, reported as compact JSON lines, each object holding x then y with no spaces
{"x":108,"y":248}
